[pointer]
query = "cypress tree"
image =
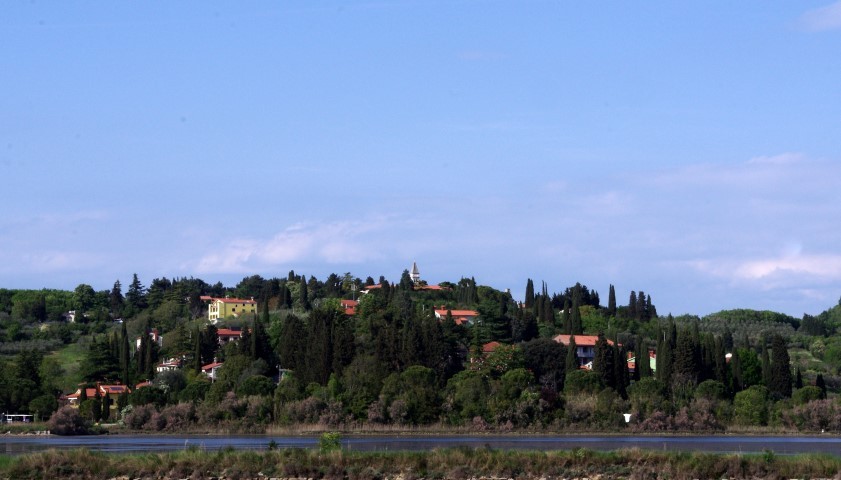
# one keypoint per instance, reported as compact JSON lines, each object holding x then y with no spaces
{"x":604,"y":362}
{"x":720,"y":361}
{"x":96,"y":411}
{"x":611,"y":301}
{"x":303,"y":294}
{"x":643,"y":361}
{"x":565,"y":316}
{"x":798,"y":379}
{"x":197,"y":363}
{"x":651,"y":311}
{"x":819,"y":382}
{"x":685,"y":357}
{"x":642,"y":308}
{"x":620,"y":371}
{"x":766,"y":364}
{"x":529,"y":301}
{"x":737,"y":382}
{"x":780,"y":368}
{"x":664,"y":360}
{"x":124,"y":355}
{"x":575,"y":316}
{"x":572,"y":356}
{"x":632,"y":306}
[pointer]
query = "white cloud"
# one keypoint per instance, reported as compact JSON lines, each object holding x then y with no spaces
{"x":773,"y":271}
{"x":346,"y":242}
{"x":823,"y":18}
{"x":827,"y":266}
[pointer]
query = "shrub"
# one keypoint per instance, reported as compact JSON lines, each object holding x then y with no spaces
{"x":68,"y":421}
{"x":137,"y":417}
{"x":805,"y":395}
{"x":329,"y":441}
{"x":750,"y":407}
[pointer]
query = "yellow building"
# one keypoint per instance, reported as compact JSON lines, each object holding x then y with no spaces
{"x":229,"y":307}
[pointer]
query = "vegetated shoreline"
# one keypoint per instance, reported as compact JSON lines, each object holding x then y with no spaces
{"x":305,"y":430}
{"x":452,"y":463}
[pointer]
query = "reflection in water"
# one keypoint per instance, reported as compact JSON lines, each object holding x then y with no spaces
{"x":161,"y":443}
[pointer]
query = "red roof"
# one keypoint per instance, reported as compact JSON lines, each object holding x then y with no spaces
{"x":113,"y":389}
{"x":458,"y":313}
{"x":147,"y":383}
{"x":580,"y":340}
{"x":232,"y":300}
{"x":227,"y":332}
{"x":490,"y":347}
{"x":211,"y":366}
{"x":430,"y":287}
{"x":350,"y":306}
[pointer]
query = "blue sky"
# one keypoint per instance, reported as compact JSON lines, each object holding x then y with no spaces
{"x":688,"y":149}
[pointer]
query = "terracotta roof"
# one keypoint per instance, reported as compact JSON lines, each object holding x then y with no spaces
{"x":227,"y":332}
{"x":91,"y":392}
{"x":231,"y":300}
{"x":147,"y":383}
{"x":211,"y":366}
{"x":490,"y":347}
{"x":457,"y":313}
{"x":350,"y":306}
{"x":580,"y":340}
{"x":114,"y":388}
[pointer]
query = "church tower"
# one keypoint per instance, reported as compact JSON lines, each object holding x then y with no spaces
{"x":415,"y":274}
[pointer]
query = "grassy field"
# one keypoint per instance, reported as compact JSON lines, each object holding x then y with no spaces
{"x":69,"y":358}
{"x":459,"y":463}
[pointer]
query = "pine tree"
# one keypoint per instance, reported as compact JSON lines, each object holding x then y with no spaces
{"x":611,"y":302}
{"x":115,"y":299}
{"x":136,"y":295}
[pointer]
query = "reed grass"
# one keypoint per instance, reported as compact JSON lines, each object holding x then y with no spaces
{"x":454,"y":463}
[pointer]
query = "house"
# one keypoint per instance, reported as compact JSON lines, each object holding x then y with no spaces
{"x":349,"y":306}
{"x":154,"y":335}
{"x":459,"y":316}
{"x":105,"y":391}
{"x":169,"y":365}
{"x":585,"y":347}
{"x":229,"y":307}
{"x":226,"y":335}
{"x":211,"y":370}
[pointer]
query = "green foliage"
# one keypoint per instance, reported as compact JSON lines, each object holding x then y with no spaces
{"x":750,"y":407}
{"x":582,"y":381}
{"x":329,"y":441}
{"x":806,"y":394}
